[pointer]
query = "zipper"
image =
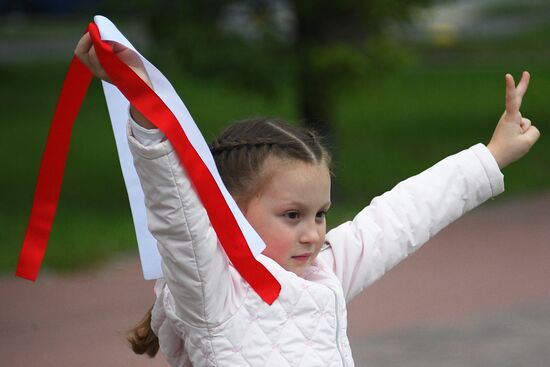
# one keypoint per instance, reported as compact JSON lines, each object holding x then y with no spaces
{"x":338,"y":328}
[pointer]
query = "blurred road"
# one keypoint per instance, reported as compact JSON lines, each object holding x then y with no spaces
{"x":478,"y":294}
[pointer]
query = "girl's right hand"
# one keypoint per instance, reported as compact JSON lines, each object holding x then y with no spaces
{"x":86,"y":54}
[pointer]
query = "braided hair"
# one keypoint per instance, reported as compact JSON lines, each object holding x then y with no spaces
{"x":242,"y":149}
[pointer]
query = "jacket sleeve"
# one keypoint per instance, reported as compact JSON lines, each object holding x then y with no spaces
{"x":398,"y":222}
{"x":196,"y":270}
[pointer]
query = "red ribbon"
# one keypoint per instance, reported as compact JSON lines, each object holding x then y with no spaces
{"x":149,"y":104}
{"x":52,"y":167}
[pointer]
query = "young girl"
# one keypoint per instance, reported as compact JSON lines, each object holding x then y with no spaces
{"x":206,"y":315}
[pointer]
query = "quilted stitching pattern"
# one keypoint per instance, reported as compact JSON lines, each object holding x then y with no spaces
{"x":305,"y":326}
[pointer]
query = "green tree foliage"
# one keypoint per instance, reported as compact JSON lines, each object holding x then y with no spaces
{"x":194,"y":32}
{"x":324,"y":44}
{"x":341,"y":42}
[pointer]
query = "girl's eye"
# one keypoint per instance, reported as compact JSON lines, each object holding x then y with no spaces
{"x":292,"y":215}
{"x":321,"y":214}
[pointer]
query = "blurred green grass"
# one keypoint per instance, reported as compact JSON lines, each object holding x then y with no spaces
{"x":386,"y":130}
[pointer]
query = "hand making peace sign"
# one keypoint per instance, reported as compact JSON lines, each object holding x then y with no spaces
{"x":514,"y":134}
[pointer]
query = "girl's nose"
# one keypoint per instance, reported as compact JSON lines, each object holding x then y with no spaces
{"x":311,"y":234}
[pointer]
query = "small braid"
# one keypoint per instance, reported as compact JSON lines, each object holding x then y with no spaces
{"x":217,"y":146}
{"x":241,"y":150}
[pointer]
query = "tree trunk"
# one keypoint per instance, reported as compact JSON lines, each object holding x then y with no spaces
{"x":316,"y":101}
{"x":314,"y":97}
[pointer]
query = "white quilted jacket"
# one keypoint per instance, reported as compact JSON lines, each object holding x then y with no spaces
{"x":206,"y":315}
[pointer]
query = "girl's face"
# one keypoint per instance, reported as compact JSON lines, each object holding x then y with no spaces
{"x":289,"y":212}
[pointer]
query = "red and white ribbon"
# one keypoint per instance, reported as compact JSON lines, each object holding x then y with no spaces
{"x":163,"y":107}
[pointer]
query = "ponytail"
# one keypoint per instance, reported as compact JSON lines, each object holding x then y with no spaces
{"x":142,"y":338}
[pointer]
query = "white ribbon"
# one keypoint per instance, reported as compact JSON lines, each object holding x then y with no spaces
{"x":118,"y":107}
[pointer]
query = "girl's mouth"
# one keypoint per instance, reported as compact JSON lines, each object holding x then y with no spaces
{"x":302,"y":258}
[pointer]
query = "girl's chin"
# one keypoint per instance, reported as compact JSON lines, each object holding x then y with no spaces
{"x":298,"y":267}
{"x":298,"y":271}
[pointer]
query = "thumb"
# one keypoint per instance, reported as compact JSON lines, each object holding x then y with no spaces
{"x":117,"y":47}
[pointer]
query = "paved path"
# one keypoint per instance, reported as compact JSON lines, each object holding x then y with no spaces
{"x":477,"y":295}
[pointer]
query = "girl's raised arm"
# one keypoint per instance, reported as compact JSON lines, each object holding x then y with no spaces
{"x":398,"y":222}
{"x":196,"y":270}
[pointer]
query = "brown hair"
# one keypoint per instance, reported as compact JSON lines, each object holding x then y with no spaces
{"x":240,"y":153}
{"x":141,"y":337}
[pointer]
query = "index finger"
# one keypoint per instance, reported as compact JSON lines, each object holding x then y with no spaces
{"x":83,"y":45}
{"x":512,"y":103}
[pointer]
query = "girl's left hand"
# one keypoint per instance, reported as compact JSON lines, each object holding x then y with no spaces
{"x":514,"y":134}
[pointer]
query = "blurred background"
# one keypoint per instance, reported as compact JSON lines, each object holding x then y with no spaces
{"x":393,"y":85}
